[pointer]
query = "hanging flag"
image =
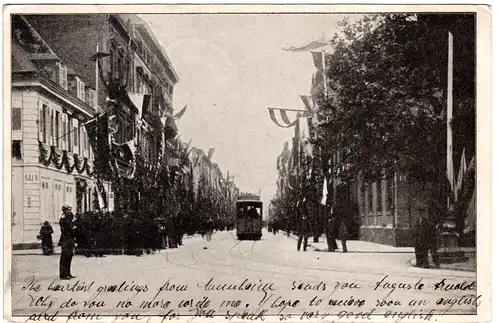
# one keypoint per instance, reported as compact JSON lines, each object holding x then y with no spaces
{"x":210,"y":153}
{"x":461,"y":173}
{"x":100,"y":200}
{"x":140,"y":101}
{"x":318,"y":61}
{"x":305,"y":137}
{"x":307,"y":100}
{"x":285,"y":121}
{"x":137,"y":99}
{"x":325,"y":191}
{"x":314,"y":45}
{"x":180,"y":113}
{"x":98,"y":135}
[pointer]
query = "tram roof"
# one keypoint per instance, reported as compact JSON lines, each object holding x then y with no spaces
{"x":249,"y":201}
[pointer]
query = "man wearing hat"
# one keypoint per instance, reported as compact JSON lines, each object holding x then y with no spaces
{"x":66,"y":242}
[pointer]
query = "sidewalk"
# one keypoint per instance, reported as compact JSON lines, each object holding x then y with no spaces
{"x":57,"y":249}
{"x":358,"y":246}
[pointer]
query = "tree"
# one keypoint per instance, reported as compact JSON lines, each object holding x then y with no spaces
{"x":388,"y":82}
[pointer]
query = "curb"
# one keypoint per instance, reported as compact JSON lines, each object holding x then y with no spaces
{"x":412,"y":263}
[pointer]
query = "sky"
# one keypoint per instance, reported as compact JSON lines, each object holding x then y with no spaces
{"x":231,"y":68}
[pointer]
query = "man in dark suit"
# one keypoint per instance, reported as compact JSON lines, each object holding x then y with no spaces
{"x":303,"y":225}
{"x":66,"y":242}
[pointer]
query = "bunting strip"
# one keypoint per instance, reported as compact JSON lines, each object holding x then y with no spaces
{"x":307,"y":48}
{"x":285,"y":120}
{"x":179,"y":114}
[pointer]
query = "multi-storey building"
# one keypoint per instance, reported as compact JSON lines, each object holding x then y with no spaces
{"x":388,"y":207}
{"x":52,"y":162}
{"x":96,"y":63}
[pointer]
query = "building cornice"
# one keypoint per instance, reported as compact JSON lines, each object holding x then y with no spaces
{"x":53,"y":89}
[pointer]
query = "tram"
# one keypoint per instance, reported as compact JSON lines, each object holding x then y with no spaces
{"x":248,"y":217}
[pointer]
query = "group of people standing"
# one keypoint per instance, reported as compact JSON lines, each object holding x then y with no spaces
{"x":336,"y":226}
{"x":100,"y":233}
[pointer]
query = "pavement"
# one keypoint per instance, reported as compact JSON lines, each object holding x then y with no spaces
{"x":354,"y":246}
{"x":358,"y":246}
{"x":273,"y":260}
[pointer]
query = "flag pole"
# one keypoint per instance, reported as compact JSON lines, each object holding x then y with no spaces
{"x":97,"y":75}
{"x":449,"y":249}
{"x":449,"y":116}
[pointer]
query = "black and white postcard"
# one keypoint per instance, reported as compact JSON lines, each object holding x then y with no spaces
{"x":239,"y":163}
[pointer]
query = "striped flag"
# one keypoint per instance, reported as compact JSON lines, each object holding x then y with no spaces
{"x":211,"y":152}
{"x":307,"y":100}
{"x":179,"y":114}
{"x":461,"y":174}
{"x":285,"y":121}
{"x":314,"y":45}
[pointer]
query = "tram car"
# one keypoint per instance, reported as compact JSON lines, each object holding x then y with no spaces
{"x":248,"y":217}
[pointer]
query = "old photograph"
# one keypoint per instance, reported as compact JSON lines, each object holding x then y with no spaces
{"x":257,"y":164}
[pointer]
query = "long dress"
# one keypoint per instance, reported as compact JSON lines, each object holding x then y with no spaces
{"x":47,"y":245}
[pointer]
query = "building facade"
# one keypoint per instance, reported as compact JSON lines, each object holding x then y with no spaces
{"x":52,"y":162}
{"x":66,"y":71}
{"x":388,"y":207}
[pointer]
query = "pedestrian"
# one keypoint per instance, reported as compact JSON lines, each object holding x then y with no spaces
{"x":207,"y":230}
{"x":171,"y":232}
{"x":66,"y":242}
{"x":341,"y":225}
{"x":303,"y":225}
{"x":331,"y":231}
{"x":342,"y":212}
{"x":46,"y":237}
{"x":426,"y":240}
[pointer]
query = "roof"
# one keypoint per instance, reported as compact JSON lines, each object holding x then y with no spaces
{"x":137,"y":20}
{"x":21,"y":60}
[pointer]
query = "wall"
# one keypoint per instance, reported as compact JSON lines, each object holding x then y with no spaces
{"x":74,"y":38}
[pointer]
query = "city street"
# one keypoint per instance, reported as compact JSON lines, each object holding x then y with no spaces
{"x":334,"y":277}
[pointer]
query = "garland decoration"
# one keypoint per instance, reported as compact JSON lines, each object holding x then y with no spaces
{"x":57,"y":157}
{"x":89,"y":167}
{"x":80,"y":163}
{"x":70,"y":162}
{"x":45,"y":154}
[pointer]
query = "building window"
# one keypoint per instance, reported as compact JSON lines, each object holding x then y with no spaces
{"x":390,"y":193}
{"x":51,"y":127}
{"x":361,"y":198}
{"x":16,"y":118}
{"x":76,"y":136}
{"x":64,"y":131}
{"x":378,"y":197}
{"x":43,"y":123}
{"x":369,"y":199}
{"x":63,"y":76}
{"x":58,"y":116}
{"x":80,"y":89}
{"x":139,"y":83}
{"x":91,"y":98}
{"x":17,"y":149}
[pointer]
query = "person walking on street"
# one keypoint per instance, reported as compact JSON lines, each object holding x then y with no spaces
{"x":342,"y":212}
{"x":46,"y":236}
{"x":303,"y":225}
{"x":331,"y":231}
{"x":66,"y":242}
{"x":341,"y":226}
{"x":207,"y":230}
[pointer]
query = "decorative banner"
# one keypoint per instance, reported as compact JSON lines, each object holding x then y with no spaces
{"x":285,"y":121}
{"x":307,"y":100}
{"x":180,"y":113}
{"x":314,"y":45}
{"x":211,"y":152}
